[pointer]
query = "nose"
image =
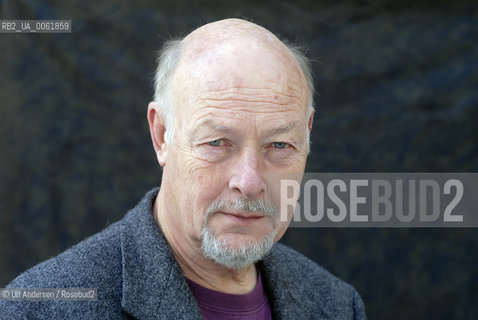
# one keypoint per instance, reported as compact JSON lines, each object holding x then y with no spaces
{"x":247,"y":175}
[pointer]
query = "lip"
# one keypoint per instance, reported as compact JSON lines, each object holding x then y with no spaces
{"x":243,"y":217}
{"x":244,"y":214}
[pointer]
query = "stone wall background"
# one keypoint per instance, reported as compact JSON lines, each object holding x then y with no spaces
{"x":397,"y":91}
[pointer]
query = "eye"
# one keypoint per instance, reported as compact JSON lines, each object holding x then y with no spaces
{"x":280,"y":145}
{"x":216,"y":143}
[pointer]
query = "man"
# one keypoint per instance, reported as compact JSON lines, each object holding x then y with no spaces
{"x":232,"y":112}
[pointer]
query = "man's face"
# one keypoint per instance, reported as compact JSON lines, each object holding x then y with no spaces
{"x":238,"y":128}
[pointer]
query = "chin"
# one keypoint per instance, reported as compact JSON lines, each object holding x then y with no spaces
{"x":236,"y":240}
{"x":236,"y":251}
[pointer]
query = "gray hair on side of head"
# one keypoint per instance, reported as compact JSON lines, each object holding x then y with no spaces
{"x":168,"y":61}
{"x":305,"y":66}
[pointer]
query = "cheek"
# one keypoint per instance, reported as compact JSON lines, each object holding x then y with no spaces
{"x":209,"y":187}
{"x":199,"y":187}
{"x":186,"y":190}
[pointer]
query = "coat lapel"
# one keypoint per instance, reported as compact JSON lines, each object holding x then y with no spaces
{"x":282,"y":300}
{"x":286,"y":289}
{"x":153,"y":285}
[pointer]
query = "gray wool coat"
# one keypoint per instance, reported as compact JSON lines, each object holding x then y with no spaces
{"x":137,"y":277}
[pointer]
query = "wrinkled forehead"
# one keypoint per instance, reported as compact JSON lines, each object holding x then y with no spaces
{"x":243,"y":62}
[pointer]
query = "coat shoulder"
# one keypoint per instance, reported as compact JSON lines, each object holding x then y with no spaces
{"x":94,"y":263}
{"x":91,"y":263}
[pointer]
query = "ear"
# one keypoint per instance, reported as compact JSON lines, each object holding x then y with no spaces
{"x":311,"y":120}
{"x":157,"y":129}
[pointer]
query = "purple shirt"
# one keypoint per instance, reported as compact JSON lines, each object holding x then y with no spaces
{"x":215,"y":305}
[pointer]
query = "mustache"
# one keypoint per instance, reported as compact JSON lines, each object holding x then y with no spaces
{"x":242,"y":204}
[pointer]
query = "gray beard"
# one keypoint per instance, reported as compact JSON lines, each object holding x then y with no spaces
{"x":221,"y":251}
{"x":245,"y":255}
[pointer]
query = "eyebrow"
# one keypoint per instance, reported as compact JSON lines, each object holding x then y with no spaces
{"x":282,"y":129}
{"x":215,"y":126}
{"x":211,"y":125}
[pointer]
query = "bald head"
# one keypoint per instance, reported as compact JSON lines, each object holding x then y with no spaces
{"x":225,"y":54}
{"x":229,"y":31}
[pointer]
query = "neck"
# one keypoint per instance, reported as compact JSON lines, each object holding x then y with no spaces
{"x":191,"y":260}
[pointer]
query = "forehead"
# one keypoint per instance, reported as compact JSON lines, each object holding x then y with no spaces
{"x":240,"y":75}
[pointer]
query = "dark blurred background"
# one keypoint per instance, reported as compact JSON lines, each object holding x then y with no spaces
{"x":397,"y":92}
